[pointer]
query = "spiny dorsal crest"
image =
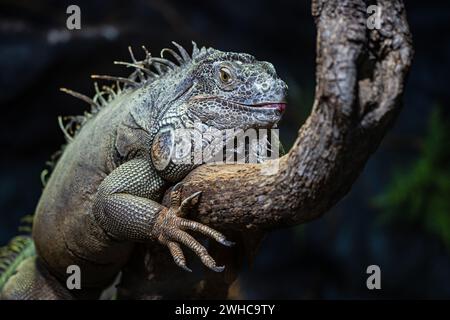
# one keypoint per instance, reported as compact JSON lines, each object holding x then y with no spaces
{"x":145,"y":71}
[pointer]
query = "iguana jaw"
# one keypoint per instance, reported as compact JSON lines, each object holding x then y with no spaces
{"x":280,"y":106}
{"x":225,"y":113}
{"x":268,"y":105}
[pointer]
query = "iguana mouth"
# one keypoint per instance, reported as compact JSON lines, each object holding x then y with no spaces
{"x":280,"y":106}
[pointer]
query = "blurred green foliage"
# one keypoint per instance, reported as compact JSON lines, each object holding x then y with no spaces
{"x":420,"y":194}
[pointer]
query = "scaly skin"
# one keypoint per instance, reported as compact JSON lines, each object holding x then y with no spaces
{"x":104,"y":194}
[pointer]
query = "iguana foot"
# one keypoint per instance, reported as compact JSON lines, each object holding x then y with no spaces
{"x":170,"y":231}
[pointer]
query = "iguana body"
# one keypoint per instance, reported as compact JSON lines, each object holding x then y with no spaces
{"x":104,"y":193}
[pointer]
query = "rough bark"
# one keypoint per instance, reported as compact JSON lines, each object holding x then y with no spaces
{"x":360,"y":79}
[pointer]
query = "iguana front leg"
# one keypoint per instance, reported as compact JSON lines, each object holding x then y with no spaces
{"x":126,"y":209}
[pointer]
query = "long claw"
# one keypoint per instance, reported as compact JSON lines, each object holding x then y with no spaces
{"x":218,"y":269}
{"x":188,"y":202}
{"x":226,"y":243}
{"x":184,"y":267}
{"x":178,"y":256}
{"x":177,"y":187}
{"x":209,"y":262}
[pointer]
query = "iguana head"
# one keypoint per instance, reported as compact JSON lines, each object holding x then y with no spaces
{"x":234,"y":90}
{"x":224,"y":90}
{"x":219,"y":90}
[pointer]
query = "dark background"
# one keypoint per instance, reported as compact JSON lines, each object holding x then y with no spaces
{"x":397,"y":214}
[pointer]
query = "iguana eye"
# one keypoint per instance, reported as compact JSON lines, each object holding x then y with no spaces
{"x":225,"y":75}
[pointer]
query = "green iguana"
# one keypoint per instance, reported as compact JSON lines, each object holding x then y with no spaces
{"x":104,"y":194}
